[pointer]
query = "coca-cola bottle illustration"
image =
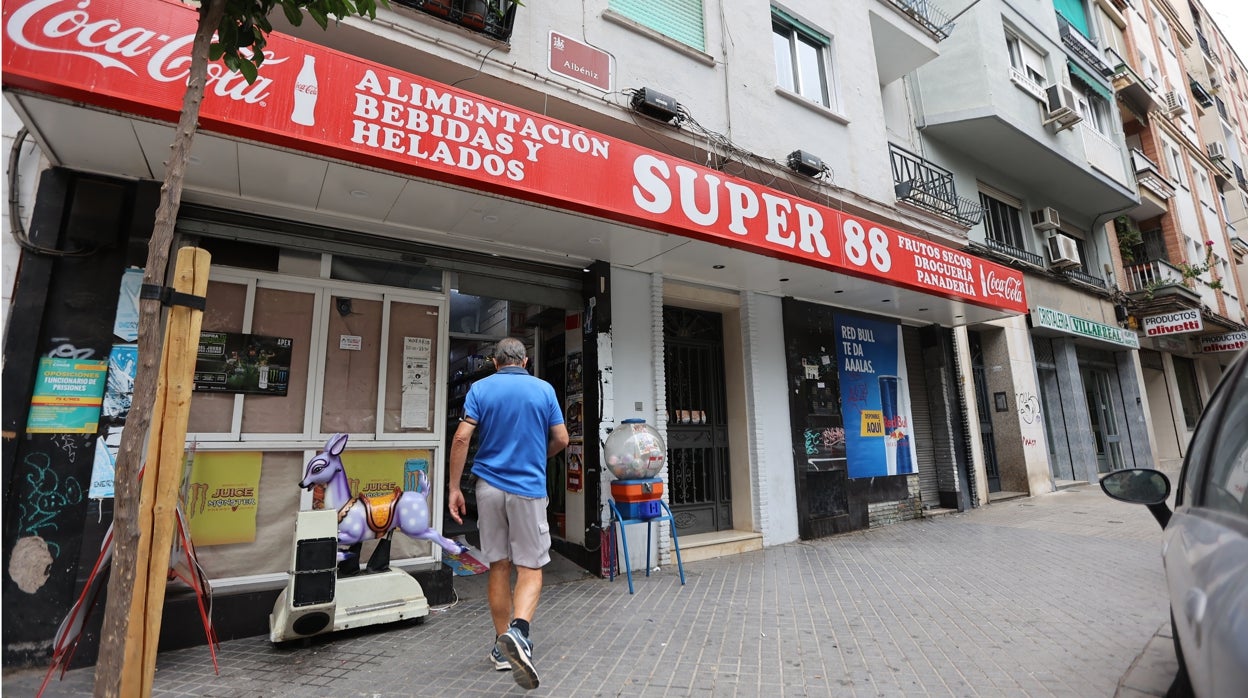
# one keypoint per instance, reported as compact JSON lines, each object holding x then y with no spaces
{"x":305,"y":94}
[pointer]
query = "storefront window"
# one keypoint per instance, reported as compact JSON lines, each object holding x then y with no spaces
{"x":1189,"y":393}
{"x":282,"y":313}
{"x":352,"y":362}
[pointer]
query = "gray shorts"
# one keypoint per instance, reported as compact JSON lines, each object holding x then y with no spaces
{"x":512,"y":527}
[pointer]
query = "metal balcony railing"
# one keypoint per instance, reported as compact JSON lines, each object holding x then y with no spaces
{"x":1239,"y":175}
{"x":1199,"y":93}
{"x":1084,"y":277}
{"x":490,"y":17}
{"x":1014,"y":252}
{"x":1150,"y":276}
{"x":930,"y":186}
{"x":927,"y":15}
{"x":1204,"y":44}
{"x":1221,"y":106}
{"x":1082,"y":46}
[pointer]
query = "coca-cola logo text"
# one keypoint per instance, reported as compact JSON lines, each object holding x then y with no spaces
{"x":66,"y":28}
{"x":307,"y":89}
{"x":1009,"y":287}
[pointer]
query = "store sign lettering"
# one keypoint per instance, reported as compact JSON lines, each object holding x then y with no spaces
{"x":1228,"y":341}
{"x":1180,"y":322}
{"x":1072,"y":324}
{"x":133,"y":57}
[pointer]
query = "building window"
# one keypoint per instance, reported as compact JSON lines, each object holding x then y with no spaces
{"x":1189,"y":393}
{"x":801,"y":59}
{"x":1002,"y":222}
{"x":1026,"y":63}
{"x":1093,"y":109}
{"x":678,"y":19}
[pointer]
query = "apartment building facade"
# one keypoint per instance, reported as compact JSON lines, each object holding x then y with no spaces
{"x":788,"y":251}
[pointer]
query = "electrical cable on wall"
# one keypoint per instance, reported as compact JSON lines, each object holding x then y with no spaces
{"x":15,"y":208}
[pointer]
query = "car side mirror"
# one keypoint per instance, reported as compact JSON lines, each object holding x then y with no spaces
{"x":1140,"y":486}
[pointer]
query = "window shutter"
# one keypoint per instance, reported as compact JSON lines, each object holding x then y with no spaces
{"x":679,"y":19}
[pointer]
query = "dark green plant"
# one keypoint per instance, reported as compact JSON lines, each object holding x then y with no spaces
{"x":1129,"y":238}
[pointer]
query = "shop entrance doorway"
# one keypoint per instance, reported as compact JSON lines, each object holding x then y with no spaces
{"x":697,"y":423}
{"x":1104,"y":418}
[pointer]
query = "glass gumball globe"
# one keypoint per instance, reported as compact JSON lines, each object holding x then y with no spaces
{"x":635,"y":451}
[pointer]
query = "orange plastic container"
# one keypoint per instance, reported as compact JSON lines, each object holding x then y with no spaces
{"x":627,"y":491}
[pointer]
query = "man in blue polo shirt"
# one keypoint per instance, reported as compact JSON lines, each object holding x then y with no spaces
{"x":521,"y":427}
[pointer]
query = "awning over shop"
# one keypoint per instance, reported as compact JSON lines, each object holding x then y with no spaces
{"x":376,"y":117}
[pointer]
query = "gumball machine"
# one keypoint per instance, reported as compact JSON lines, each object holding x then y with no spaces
{"x":635,"y":454}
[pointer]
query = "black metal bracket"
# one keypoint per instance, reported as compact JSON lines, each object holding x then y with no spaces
{"x":170,"y":297}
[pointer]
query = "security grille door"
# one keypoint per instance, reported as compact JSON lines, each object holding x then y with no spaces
{"x":700,"y":489}
{"x":985,"y":417}
{"x":1104,"y":420}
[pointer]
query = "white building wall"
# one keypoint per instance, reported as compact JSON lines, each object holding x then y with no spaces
{"x":771,"y":453}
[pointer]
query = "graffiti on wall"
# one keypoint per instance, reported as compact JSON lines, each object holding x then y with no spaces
{"x":1028,"y":407}
{"x":47,"y":497}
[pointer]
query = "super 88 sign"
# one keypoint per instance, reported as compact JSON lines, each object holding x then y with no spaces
{"x":132,"y":56}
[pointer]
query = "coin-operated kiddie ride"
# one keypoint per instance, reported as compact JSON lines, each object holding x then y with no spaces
{"x":327,"y":590}
{"x":635,"y":454}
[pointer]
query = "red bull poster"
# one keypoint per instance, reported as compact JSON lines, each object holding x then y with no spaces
{"x":875,"y":397}
{"x":222,"y":497}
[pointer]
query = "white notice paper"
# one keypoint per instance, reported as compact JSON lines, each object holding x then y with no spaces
{"x":415,"y":413}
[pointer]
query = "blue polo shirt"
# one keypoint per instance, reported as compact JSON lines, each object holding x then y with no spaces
{"x":514,"y":413}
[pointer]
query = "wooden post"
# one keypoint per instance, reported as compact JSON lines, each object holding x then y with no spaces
{"x":162,"y":477}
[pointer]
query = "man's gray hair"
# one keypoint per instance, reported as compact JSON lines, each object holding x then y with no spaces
{"x":509,"y":352}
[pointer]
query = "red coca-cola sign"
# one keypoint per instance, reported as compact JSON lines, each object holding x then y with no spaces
{"x":133,"y":57}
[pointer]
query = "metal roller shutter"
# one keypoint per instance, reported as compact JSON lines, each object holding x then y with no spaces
{"x":923,"y":446}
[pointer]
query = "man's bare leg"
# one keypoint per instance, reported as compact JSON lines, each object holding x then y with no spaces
{"x":499,"y":593}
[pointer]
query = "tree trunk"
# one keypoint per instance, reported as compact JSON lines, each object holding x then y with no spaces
{"x":113,"y":650}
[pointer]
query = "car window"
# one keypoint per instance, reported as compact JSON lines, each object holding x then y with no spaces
{"x":1204,"y":439}
{"x":1226,"y":486}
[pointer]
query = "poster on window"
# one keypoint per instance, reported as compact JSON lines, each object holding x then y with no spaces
{"x":222,"y":497}
{"x":875,"y":397}
{"x":234,"y":362}
{"x":415,"y":408}
{"x":576,"y":467}
{"x":68,"y":396}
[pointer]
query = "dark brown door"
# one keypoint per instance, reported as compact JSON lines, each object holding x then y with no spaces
{"x":700,"y":489}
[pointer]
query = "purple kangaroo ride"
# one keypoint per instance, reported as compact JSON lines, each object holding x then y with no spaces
{"x":375,"y":516}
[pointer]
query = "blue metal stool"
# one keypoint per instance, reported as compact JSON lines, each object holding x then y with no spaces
{"x":621,"y":522}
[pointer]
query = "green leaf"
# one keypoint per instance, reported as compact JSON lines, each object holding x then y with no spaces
{"x":215,"y":51}
{"x":248,"y":69}
{"x":318,"y":16}
{"x":293,"y":15}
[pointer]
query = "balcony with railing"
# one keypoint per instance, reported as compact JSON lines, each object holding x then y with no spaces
{"x":1013,"y":252}
{"x":1239,"y":176}
{"x":493,"y":18}
{"x":1104,"y":154}
{"x":1199,"y":93}
{"x":1156,"y":278}
{"x":1081,"y":46}
{"x":1155,"y":190}
{"x":927,"y":15}
{"x":1080,"y":276}
{"x":930,"y":186}
{"x":1221,"y":107}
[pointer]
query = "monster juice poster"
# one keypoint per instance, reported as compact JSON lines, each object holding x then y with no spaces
{"x":222,"y":496}
{"x":232,"y":362}
{"x":875,"y":397}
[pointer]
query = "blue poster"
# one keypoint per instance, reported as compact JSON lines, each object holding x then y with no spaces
{"x":126,"y":324}
{"x":875,"y":397}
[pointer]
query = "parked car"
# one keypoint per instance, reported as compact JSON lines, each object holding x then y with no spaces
{"x":1205,"y":544}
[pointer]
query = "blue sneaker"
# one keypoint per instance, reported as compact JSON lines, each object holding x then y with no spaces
{"x":519,"y":652}
{"x":500,"y":662}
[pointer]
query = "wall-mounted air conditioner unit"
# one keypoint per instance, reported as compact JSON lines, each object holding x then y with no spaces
{"x":1176,"y":102}
{"x":1062,"y":106}
{"x":1063,"y":251}
{"x":1045,"y":218}
{"x":1217,"y":150}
